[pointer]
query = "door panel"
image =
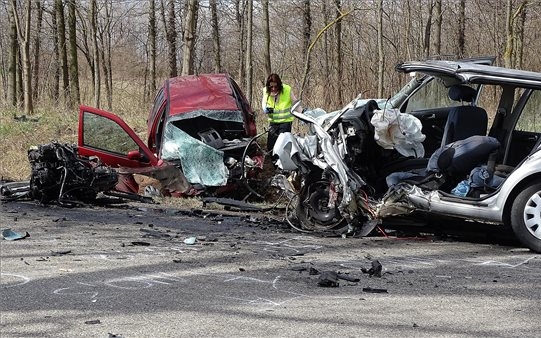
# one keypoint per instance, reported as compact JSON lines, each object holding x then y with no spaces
{"x":106,"y":136}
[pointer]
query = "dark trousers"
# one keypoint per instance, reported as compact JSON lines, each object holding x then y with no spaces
{"x":276,"y":129}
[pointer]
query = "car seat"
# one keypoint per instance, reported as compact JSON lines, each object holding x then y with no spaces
{"x":449,"y":164}
{"x":465,"y":120}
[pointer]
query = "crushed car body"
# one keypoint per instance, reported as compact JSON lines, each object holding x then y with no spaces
{"x":471,"y":169}
{"x":202,"y":124}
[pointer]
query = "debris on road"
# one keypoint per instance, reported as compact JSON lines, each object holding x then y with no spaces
{"x":139,"y":243}
{"x":190,"y":240}
{"x":372,"y":290}
{"x":60,"y":252}
{"x":11,"y":235}
{"x":328,"y":279}
{"x":375,"y":270}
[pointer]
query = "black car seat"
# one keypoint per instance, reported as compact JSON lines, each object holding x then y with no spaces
{"x":465,"y":120}
{"x":450,"y":163}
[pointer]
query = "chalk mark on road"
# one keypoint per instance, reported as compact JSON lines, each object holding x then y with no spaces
{"x":23,"y":281}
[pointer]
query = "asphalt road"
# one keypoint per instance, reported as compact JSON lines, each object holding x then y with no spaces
{"x":126,"y":271}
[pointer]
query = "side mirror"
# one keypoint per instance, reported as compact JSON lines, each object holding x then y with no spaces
{"x":134,"y":155}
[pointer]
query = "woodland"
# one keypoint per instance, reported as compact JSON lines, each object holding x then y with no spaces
{"x":113,"y":54}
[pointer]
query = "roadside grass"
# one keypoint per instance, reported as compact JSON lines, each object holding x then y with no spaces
{"x":19,"y":133}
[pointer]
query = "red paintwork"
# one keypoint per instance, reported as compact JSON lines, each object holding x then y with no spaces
{"x":196,"y":92}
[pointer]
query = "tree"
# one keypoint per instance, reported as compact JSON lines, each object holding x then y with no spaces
{"x":13,"y":60}
{"x":381,"y":64}
{"x":75,"y":95}
{"x":62,"y":56}
{"x":189,"y":38}
{"x":239,"y":19}
{"x":437,"y":27}
{"x":461,"y":38}
{"x":37,"y":45}
{"x":248,"y":54}
{"x":93,"y":19}
{"x":511,"y":32}
{"x":307,"y":30}
{"x":338,"y":51}
{"x":170,"y":36}
{"x":215,"y":37}
{"x":267,"y":39}
{"x":23,"y":35}
{"x":428,"y":29}
{"x":152,"y":38}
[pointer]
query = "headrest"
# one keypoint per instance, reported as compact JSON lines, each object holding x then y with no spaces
{"x":462,"y":93}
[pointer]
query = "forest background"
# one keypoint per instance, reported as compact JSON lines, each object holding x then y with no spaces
{"x":113,"y":54}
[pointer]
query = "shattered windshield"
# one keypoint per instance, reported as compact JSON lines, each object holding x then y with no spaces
{"x":201,"y":163}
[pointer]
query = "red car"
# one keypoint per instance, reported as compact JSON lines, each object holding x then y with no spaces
{"x":200,"y":124}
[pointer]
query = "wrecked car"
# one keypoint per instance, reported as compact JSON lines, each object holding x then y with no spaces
{"x":446,"y":159}
{"x":198,"y":138}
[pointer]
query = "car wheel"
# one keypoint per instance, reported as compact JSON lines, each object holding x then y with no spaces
{"x":526,"y":217}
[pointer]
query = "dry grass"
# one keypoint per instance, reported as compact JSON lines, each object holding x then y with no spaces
{"x":18,"y":135}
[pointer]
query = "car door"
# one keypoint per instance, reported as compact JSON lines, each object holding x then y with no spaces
{"x":108,"y":137}
{"x":527,"y":128}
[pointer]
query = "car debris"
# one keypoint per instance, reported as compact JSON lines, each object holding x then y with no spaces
{"x":375,"y":270}
{"x":59,"y":175}
{"x":11,"y":235}
{"x":328,"y":279}
{"x":374,"y":290}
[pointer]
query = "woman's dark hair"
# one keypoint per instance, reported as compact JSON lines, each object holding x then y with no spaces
{"x":274,"y":78}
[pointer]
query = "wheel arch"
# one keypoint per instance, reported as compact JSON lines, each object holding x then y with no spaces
{"x":527,"y":181}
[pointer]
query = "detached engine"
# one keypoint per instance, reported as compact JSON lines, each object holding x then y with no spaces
{"x":59,"y":174}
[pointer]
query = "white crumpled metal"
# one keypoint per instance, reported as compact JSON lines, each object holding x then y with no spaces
{"x":400,"y":131}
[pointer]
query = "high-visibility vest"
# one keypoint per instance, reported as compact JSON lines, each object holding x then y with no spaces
{"x":282,"y":107}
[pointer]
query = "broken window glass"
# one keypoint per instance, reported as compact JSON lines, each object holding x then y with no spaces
{"x":201,"y":163}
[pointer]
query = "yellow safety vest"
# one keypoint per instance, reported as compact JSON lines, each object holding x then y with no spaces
{"x":282,"y":107}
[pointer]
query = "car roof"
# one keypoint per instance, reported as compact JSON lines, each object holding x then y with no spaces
{"x":454,"y":72}
{"x":200,"y":92}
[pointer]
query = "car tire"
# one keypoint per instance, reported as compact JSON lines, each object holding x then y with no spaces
{"x":526,"y":217}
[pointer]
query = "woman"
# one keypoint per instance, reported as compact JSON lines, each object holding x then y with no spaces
{"x":276,"y":103}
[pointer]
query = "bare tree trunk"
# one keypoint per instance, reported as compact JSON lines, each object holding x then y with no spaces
{"x":381,"y":63}
{"x":307,"y":32}
{"x":519,"y":49}
{"x":461,"y":39}
{"x":239,"y":16}
{"x":428,"y":29}
{"x":37,"y":51}
{"x":266,"y":34}
{"x":511,"y":33}
{"x":95,"y":52}
{"x":249,"y":69}
{"x":407,"y":31}
{"x":437,"y":29}
{"x":12,"y":64}
{"x":24,"y":38}
{"x":105,"y":54}
{"x":189,"y":38}
{"x":75,"y":96}
{"x":171,"y":36}
{"x":63,"y":56}
{"x":152,"y":38}
{"x":338,"y":46}
{"x":216,"y":37}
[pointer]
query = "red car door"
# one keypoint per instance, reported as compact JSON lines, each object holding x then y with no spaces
{"x":108,"y":137}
